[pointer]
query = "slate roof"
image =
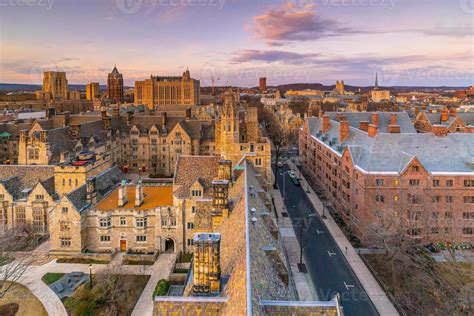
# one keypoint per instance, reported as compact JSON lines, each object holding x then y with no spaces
{"x":16,"y":178}
{"x":391,"y":152}
{"x":190,"y":169}
{"x":105,"y":184}
{"x":435,"y":118}
{"x":354,"y":118}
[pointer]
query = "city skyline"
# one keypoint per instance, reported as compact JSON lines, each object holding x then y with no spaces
{"x":293,"y":41}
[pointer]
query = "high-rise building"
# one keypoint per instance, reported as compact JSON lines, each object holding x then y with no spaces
{"x":92,"y":91}
{"x":54,"y":85}
{"x":167,"y":91}
{"x":340,"y":86}
{"x":115,"y":85}
{"x":262,"y":84}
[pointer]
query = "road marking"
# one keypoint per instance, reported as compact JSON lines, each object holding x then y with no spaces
{"x":331,"y":253}
{"x":348,"y":285}
{"x":319,"y":232}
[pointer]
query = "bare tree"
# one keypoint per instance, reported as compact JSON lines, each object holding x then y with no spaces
{"x":16,"y":256}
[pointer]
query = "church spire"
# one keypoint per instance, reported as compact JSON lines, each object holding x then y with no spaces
{"x":376,"y":87}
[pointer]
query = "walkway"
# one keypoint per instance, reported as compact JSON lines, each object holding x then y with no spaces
{"x":378,"y":297}
{"x":53,"y":305}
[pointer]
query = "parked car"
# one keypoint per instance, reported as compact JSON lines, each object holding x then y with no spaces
{"x":292,"y":174}
{"x":295,"y":181}
{"x":280,"y":164}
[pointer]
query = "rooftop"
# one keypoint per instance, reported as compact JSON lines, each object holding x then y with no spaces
{"x":154,"y":196}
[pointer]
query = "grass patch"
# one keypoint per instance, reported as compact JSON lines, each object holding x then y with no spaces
{"x":181,"y":270}
{"x":51,"y":277}
{"x":161,"y":288}
{"x":111,"y":295}
{"x":184,"y":257}
{"x":137,"y":263}
{"x":28,"y":303}
{"x":82,"y":260}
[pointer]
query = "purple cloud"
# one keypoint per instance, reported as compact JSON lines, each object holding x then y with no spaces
{"x":271,"y":56}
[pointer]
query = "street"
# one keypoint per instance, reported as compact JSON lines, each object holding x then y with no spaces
{"x":329,"y":270}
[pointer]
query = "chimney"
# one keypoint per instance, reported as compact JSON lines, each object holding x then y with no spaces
{"x":188,"y":114}
{"x":453,"y":112}
{"x":163,"y":119}
{"x":224,"y":170}
{"x":320,"y":113}
{"x":139,"y":194}
{"x":344,"y":131}
{"x":394,"y":129}
{"x":364,"y":126}
{"x":326,"y":123}
{"x":375,"y":119}
{"x":115,"y":111}
{"x":417,"y":110}
{"x":372,"y":130}
{"x":91,"y":196}
{"x":206,"y":264}
{"x":393,"y":119}
{"x":122,"y":194}
{"x":444,"y":115}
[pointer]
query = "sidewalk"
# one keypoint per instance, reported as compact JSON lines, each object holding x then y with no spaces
{"x":380,"y":300}
{"x":304,"y":284}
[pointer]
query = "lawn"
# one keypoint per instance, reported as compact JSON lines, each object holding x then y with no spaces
{"x":111,"y":295}
{"x":28,"y":303}
{"x":51,"y":277}
{"x":161,"y":288}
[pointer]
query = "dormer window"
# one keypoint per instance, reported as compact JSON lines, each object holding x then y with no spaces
{"x":196,"y":193}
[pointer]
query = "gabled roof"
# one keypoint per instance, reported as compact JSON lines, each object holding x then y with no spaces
{"x":190,"y":169}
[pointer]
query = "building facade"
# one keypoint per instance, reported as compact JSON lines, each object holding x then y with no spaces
{"x":55,"y":86}
{"x":375,"y":178}
{"x":92,"y":91}
{"x":164,"y":91}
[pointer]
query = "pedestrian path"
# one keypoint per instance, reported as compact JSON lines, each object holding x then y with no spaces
{"x":378,"y":297}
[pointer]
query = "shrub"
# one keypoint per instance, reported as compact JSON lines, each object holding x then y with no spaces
{"x":161,"y":288}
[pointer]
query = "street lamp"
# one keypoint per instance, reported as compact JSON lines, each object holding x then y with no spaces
{"x":90,"y":276}
{"x":303,"y":242}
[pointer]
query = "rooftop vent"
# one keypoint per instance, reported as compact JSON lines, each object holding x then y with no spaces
{"x":470,"y":160}
{"x":253,"y":219}
{"x":253,"y":210}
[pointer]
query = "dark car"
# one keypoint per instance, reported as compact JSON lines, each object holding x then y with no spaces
{"x":295,"y":181}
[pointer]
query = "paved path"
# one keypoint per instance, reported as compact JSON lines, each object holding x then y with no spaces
{"x":53,"y":305}
{"x":160,"y":270}
{"x":376,"y":294}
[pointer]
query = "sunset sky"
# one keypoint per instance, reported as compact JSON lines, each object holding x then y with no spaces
{"x":408,"y":42}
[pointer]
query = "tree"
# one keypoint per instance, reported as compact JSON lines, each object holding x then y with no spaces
{"x":15,"y":257}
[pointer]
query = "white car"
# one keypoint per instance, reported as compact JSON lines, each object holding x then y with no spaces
{"x":292,"y":174}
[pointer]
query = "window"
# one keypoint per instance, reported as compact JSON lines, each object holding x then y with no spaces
{"x":468,"y":215}
{"x":105,"y":222}
{"x":436,"y":183}
{"x":65,"y":242}
{"x":414,"y":232}
{"x":105,"y":238}
{"x":467,"y":230}
{"x":415,"y":168}
{"x":448,"y":215}
{"x":449,"y":183}
{"x":196,"y":193}
{"x":378,"y":214}
{"x":65,"y":210}
{"x":39,"y":197}
{"x":414,"y":182}
{"x":141,"y":238}
{"x":142,"y":222}
{"x":469,"y":199}
{"x":193,"y":209}
{"x":413,"y":199}
{"x":2,"y":197}
{"x":20,"y":215}
{"x":435,"y":199}
{"x":449,"y":199}
{"x":123,"y":221}
{"x":435,"y":230}
{"x":258,"y":162}
{"x":64,"y":226}
{"x":380,"y":198}
{"x":435,"y":215}
{"x":190,"y":225}
{"x":190,"y":241}
{"x":379,"y":182}
{"x":468,"y":183}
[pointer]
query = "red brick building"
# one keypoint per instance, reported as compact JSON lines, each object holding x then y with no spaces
{"x":115,"y":85}
{"x":444,"y":122}
{"x":379,"y":176}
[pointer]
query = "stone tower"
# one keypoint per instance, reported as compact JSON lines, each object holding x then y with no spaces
{"x":206,"y":266}
{"x":115,"y":85}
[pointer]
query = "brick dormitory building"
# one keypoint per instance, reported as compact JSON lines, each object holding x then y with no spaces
{"x":377,"y":171}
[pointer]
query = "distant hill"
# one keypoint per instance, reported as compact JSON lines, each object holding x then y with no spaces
{"x":319,"y":86}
